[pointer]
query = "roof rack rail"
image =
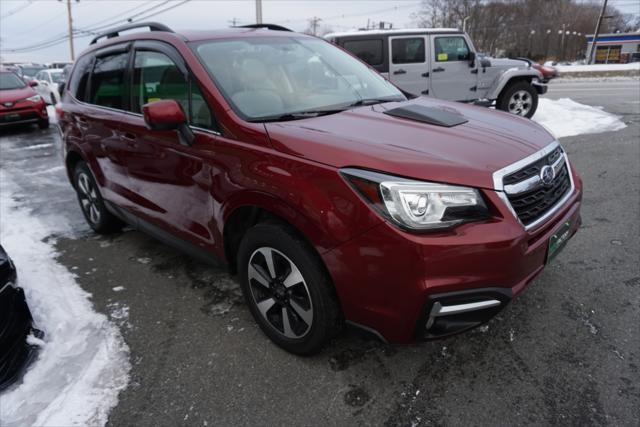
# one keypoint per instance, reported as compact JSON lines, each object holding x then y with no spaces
{"x":115,"y":32}
{"x":273,"y":27}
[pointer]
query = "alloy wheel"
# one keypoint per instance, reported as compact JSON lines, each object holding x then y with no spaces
{"x":520,"y":103}
{"x":88,"y":198}
{"x":280,"y":292}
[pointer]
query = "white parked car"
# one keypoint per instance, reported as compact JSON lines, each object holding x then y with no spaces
{"x":48,"y":84}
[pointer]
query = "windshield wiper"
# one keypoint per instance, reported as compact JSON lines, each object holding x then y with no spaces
{"x":298,"y":115}
{"x":372,"y":101}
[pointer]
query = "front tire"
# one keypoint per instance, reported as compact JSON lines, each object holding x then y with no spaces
{"x":43,"y":124}
{"x":287,"y":289}
{"x":519,"y":98}
{"x":91,"y":202}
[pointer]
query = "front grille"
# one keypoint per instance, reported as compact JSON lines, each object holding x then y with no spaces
{"x":532,"y":169}
{"x":531,"y":205}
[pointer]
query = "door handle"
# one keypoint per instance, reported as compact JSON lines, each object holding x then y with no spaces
{"x":82,"y":123}
{"x":400,"y":71}
{"x":437,"y":70}
{"x":425,"y":75}
{"x":129,"y":136}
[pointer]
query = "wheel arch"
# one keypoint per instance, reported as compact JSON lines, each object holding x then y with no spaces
{"x":72,"y":158}
{"x":249,"y":209}
{"x":510,"y":77}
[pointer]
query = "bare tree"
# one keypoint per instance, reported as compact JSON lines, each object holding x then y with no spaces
{"x":534,"y":28}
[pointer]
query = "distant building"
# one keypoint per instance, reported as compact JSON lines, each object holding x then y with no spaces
{"x":619,"y":48}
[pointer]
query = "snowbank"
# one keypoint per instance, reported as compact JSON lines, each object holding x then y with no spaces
{"x":598,"y":67}
{"x":83,"y":363}
{"x":565,"y":117}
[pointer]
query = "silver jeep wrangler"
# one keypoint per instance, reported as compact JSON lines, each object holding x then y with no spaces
{"x":442,"y":63}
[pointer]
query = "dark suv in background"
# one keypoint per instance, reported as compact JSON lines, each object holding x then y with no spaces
{"x":331,"y":195}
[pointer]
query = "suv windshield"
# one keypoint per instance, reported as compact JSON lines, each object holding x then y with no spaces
{"x":10,"y":81}
{"x":31,"y":71}
{"x":285,"y":78}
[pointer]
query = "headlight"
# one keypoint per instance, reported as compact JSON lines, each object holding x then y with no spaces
{"x":34,"y":98}
{"x":418,"y":205}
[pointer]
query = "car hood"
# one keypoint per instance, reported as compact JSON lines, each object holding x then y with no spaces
{"x":508,"y":63}
{"x":13,"y":95}
{"x":365,"y":137}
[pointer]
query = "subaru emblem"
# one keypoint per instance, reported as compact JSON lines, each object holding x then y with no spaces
{"x":547,"y":174}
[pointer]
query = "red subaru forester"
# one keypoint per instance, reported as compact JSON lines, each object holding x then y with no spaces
{"x":334,"y":197}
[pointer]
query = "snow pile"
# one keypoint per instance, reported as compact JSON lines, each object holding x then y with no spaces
{"x":565,"y":117}
{"x":83,"y":361}
{"x":598,"y":67}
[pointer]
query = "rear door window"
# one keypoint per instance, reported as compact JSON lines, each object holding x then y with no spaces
{"x":78,"y":84}
{"x":108,"y":87}
{"x":370,"y":51}
{"x":451,"y":49}
{"x":408,"y":50}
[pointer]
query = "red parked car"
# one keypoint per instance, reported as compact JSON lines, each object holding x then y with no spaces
{"x":20,"y":103}
{"x":332,"y":196}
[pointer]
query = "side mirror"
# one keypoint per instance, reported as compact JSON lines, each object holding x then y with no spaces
{"x":33,"y":83}
{"x":472,"y":59}
{"x":61,"y":86}
{"x":168,"y":115}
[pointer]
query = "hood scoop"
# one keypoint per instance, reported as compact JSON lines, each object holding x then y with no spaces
{"x":430,"y":115}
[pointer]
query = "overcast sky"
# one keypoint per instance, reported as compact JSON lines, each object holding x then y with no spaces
{"x":25,"y":23}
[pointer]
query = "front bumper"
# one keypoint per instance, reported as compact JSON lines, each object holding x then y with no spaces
{"x":540,"y":87}
{"x":23,"y":112}
{"x":389,"y":281}
{"x":16,"y":324}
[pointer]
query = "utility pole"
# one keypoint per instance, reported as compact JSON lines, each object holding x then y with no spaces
{"x":70,"y":20}
{"x":464,"y":24}
{"x":258,"y":11}
{"x":564,"y":26}
{"x":314,"y":24}
{"x":595,"y":36}
{"x":233,"y":21}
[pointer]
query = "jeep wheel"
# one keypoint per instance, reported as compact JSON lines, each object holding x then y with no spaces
{"x":287,"y":289}
{"x":95,"y":212}
{"x":519,"y":98}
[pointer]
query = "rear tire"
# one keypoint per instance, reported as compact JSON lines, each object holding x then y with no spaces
{"x":519,"y":98}
{"x":291,"y":296}
{"x":91,"y":202}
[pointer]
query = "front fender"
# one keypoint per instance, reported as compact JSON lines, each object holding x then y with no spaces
{"x":509,"y":75}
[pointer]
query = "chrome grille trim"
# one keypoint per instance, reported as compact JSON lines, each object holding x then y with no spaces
{"x":501,"y":189}
{"x":533,"y":182}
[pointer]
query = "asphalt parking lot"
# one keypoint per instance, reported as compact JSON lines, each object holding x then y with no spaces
{"x":565,"y":352}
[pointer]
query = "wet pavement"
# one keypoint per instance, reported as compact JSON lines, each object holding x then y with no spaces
{"x":565,"y":352}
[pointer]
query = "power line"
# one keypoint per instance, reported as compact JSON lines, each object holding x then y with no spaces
{"x":17,"y":9}
{"x":87,"y":33}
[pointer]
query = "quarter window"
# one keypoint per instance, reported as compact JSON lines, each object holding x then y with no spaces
{"x":449,"y":49}
{"x":107,"y":82}
{"x":407,"y":51}
{"x":370,"y":51}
